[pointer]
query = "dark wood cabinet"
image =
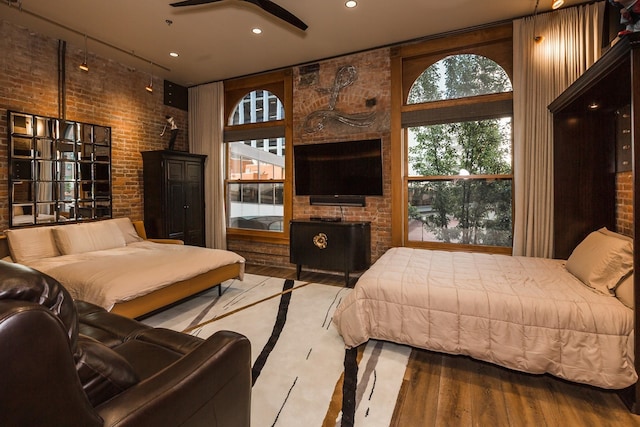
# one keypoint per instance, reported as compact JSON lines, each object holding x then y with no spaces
{"x":592,"y":139}
{"x":336,"y":246}
{"x":174,"y":196}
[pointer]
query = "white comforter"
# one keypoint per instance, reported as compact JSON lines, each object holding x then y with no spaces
{"x":528,"y":314}
{"x":111,"y":276}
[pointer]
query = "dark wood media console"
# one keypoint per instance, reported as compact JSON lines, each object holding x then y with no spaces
{"x":328,"y":245}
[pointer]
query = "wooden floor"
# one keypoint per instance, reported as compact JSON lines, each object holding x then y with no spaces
{"x":444,"y":390}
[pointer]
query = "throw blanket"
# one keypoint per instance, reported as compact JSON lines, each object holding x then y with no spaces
{"x":528,"y":314}
{"x":116,"y":275}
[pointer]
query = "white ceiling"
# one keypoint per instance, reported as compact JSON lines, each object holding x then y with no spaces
{"x":215,"y":42}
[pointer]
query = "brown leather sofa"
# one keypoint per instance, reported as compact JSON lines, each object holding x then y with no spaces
{"x":66,"y":363}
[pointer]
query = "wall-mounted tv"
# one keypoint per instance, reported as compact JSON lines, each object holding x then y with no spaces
{"x":339,"y":173}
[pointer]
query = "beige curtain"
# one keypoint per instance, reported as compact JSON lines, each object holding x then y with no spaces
{"x":206,"y":121}
{"x":542,"y":71}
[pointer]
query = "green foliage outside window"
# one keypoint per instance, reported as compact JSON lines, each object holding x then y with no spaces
{"x":461,"y":173}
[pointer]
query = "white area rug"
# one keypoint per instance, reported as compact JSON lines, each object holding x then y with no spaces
{"x":298,"y":356}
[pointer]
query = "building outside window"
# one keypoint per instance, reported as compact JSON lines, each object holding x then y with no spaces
{"x":256,"y":165}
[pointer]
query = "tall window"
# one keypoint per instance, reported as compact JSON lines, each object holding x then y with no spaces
{"x":256,"y":179}
{"x":255,"y":184}
{"x":457,"y":132}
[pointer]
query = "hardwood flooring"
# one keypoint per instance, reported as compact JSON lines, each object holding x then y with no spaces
{"x":445,"y":390}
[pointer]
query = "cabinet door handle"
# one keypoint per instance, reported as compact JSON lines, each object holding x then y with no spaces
{"x":320,"y":240}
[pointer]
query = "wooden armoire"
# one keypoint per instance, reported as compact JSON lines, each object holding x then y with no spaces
{"x":597,"y":137}
{"x":174,"y":205}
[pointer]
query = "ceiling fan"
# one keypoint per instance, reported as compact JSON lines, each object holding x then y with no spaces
{"x":266,"y":5}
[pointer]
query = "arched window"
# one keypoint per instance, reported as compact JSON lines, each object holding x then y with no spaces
{"x":459,"y":76}
{"x":256,"y":161}
{"x":457,"y":132}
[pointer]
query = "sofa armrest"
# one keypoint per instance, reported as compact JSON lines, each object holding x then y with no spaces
{"x":167,"y":241}
{"x":210,"y":386}
{"x":139,"y":226}
{"x":40,"y":385}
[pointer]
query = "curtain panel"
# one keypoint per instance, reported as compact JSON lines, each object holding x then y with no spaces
{"x":542,"y":71}
{"x":206,"y":121}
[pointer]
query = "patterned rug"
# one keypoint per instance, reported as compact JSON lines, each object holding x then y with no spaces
{"x":300,"y":366}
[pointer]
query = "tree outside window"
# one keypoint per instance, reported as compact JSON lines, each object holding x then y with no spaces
{"x":460,"y":169}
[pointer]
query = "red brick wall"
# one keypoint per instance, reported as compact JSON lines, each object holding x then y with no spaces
{"x":373,"y":84}
{"x":624,"y":203}
{"x":110,"y":94}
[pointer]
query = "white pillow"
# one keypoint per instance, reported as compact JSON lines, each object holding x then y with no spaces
{"x":128,"y":230}
{"x":624,"y":291}
{"x":26,"y":244}
{"x":602,"y":260}
{"x":88,"y":237}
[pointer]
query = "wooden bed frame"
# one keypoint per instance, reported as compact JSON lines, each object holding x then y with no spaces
{"x":170,"y":294}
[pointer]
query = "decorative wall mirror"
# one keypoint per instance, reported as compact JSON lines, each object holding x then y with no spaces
{"x":59,"y":170}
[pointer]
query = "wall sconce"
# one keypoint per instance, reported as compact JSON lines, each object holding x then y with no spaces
{"x":149,"y":87}
{"x":536,"y":38}
{"x":557,"y":4}
{"x":84,"y":66}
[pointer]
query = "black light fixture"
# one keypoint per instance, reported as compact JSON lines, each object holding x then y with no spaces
{"x":149,"y":87}
{"x":84,"y":66}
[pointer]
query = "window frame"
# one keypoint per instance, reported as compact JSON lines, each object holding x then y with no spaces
{"x":407,"y":64}
{"x":280,"y":84}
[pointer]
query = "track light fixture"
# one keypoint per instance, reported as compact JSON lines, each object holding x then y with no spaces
{"x":84,"y":66}
{"x":149,"y":87}
{"x":557,"y":4}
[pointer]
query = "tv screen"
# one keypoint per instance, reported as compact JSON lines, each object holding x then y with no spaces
{"x":350,"y":168}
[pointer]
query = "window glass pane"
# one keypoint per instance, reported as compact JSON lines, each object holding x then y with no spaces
{"x":466,"y":148}
{"x":459,"y":76}
{"x":463,"y":211}
{"x":256,"y":206}
{"x":247,"y":161}
{"x":258,"y":106}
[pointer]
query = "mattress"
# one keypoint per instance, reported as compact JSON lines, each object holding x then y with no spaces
{"x":116,"y":275}
{"x":527,"y":314}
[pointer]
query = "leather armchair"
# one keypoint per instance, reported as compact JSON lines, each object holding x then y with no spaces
{"x":66,"y":363}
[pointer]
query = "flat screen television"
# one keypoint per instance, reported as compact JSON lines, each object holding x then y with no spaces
{"x":339,"y":173}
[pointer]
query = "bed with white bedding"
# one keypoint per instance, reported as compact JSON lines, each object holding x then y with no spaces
{"x":529,"y":314}
{"x":111,"y":264}
{"x":117,"y":275}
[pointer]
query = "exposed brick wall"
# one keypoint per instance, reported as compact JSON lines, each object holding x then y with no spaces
{"x":373,"y":84}
{"x":110,"y":94}
{"x":624,"y":203}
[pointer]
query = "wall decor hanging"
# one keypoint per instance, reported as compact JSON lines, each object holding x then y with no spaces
{"x":317,"y":120}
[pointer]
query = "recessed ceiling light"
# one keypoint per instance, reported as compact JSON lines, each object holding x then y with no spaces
{"x":174,"y":54}
{"x":256,"y":31}
{"x":351,"y":4}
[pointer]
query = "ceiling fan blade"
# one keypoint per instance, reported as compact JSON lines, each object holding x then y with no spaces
{"x":279,"y":12}
{"x":192,"y":2}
